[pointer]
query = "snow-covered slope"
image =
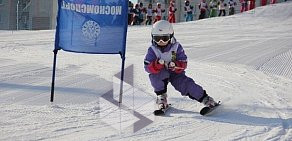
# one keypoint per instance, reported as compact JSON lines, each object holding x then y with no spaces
{"x":243,"y":60}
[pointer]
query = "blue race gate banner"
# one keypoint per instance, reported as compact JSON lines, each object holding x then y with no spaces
{"x":92,"y":26}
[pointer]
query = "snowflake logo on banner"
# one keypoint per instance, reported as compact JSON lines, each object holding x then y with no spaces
{"x":91,"y":30}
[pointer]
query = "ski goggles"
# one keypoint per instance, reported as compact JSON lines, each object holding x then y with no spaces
{"x":164,"y":38}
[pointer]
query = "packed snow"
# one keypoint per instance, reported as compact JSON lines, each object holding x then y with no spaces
{"x":244,"y":60}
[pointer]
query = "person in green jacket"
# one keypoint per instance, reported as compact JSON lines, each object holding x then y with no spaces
{"x":213,"y":8}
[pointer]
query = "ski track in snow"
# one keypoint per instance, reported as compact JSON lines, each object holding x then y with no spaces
{"x":241,"y":60}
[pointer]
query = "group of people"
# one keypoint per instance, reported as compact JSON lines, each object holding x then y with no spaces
{"x":214,"y":6}
{"x":138,"y":14}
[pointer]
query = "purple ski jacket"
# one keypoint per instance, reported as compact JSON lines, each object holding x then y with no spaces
{"x":165,"y":53}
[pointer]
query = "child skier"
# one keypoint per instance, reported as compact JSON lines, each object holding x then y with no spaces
{"x":232,"y":5}
{"x":203,"y":6}
{"x":137,"y":12}
{"x":130,"y":13}
{"x":222,"y":6}
{"x":158,"y":12}
{"x":171,"y":12}
{"x":243,"y":6}
{"x":213,"y":8}
{"x":149,"y":14}
{"x":188,"y":11}
{"x":142,"y":12}
{"x":166,"y":62}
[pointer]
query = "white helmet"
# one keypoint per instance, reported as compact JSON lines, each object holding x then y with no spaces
{"x":162,"y":32}
{"x":162,"y":27}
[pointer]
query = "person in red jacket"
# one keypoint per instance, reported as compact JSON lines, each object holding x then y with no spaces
{"x":171,"y":12}
{"x":243,"y":6}
{"x":203,"y":6}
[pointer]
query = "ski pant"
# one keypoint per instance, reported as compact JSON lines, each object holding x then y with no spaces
{"x":231,"y":11}
{"x":243,"y":7}
{"x":136,"y":21}
{"x":171,"y":18}
{"x":149,"y":20}
{"x":182,"y":83}
{"x":202,"y":15}
{"x":157,"y":18}
{"x":213,"y":13}
{"x":130,"y":19}
{"x":222,"y":12}
{"x":189,"y":17}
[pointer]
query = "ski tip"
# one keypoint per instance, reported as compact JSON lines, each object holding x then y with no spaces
{"x":208,"y":110}
{"x":161,"y":112}
{"x":158,"y":112}
{"x":205,"y":110}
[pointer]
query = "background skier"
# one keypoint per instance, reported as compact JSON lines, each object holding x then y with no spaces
{"x":130,"y":13}
{"x":203,"y":6}
{"x":213,"y":8}
{"x":171,"y":12}
{"x":149,"y":14}
{"x":142,"y":12}
{"x":137,"y":13}
{"x":231,"y":4}
{"x":243,"y":6}
{"x":188,"y":11}
{"x":158,"y":12}
{"x":222,"y":6}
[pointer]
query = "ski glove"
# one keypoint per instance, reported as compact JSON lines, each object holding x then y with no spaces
{"x":177,"y":66}
{"x":156,"y":66}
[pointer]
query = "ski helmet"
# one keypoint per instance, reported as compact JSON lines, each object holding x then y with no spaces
{"x":162,"y":32}
{"x":158,"y":4}
{"x":172,"y":3}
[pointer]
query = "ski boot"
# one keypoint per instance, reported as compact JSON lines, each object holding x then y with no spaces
{"x":161,"y":101}
{"x":210,"y":105}
{"x":209,"y":102}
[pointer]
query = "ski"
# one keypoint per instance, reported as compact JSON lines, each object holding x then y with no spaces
{"x":162,"y":110}
{"x":208,"y":110}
